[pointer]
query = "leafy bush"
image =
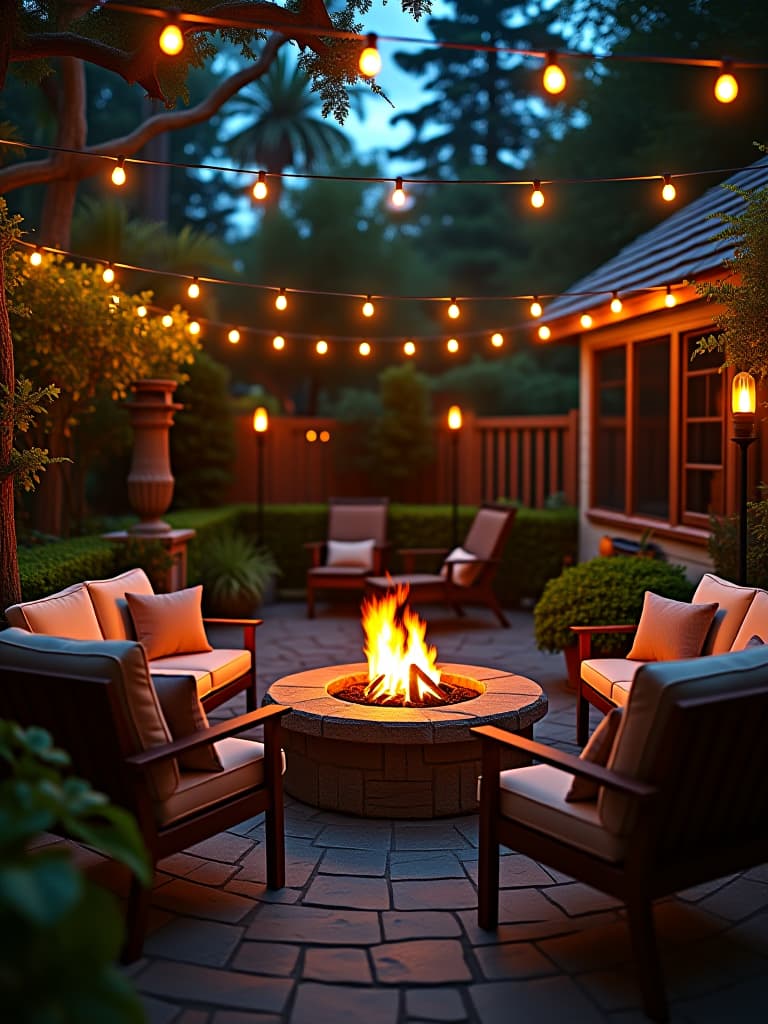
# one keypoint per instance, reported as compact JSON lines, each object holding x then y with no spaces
{"x":235,"y":574}
{"x":603,"y":591}
{"x":723,"y":543}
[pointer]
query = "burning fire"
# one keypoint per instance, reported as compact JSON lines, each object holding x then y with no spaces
{"x":400,"y":663}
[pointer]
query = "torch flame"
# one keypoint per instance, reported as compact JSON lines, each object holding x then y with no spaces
{"x":400,"y":662}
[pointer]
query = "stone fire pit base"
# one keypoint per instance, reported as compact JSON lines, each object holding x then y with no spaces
{"x":379,"y":762}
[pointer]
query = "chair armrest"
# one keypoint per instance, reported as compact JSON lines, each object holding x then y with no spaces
{"x":315,"y":549}
{"x":249,"y":629}
{"x":585,"y":634}
{"x":221,"y":730}
{"x":568,"y":762}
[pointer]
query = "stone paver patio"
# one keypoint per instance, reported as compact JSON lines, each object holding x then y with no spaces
{"x":377,"y":922}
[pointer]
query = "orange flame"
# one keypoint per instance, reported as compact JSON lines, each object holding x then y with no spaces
{"x":400,"y":662}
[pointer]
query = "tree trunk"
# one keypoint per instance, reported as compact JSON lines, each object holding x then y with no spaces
{"x":60,"y":196}
{"x":10,"y":585}
{"x":155,"y":181}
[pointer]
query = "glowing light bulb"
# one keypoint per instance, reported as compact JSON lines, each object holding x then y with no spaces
{"x":233,"y":337}
{"x":409,"y":348}
{"x":325,"y":436}
{"x":171,"y":39}
{"x":536,"y":308}
{"x":364,"y":348}
{"x":278,"y":343}
{"x":454,"y":417}
{"x":260,"y":420}
{"x":370,"y":58}
{"x":670,"y":299}
{"x":321,"y":347}
{"x":726,"y":86}
{"x":167,"y":320}
{"x":453,"y":310}
{"x":118,"y":172}
{"x":544,"y":333}
{"x":281,"y":302}
{"x":497,"y":340}
{"x":260,"y":190}
{"x":141,"y":311}
{"x":311,"y":436}
{"x":193,"y":327}
{"x":553,"y":79}
{"x":193,"y":291}
{"x":368,"y":308}
{"x":669,"y":191}
{"x":108,"y":274}
{"x":36,"y":257}
{"x":585,"y":320}
{"x":452,"y":345}
{"x":537,"y":196}
{"x":398,"y":196}
{"x":616,"y":304}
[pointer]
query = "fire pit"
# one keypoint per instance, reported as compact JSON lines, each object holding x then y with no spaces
{"x":391,"y":738}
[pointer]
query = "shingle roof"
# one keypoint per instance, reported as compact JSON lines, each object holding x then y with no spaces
{"x":680,"y":247}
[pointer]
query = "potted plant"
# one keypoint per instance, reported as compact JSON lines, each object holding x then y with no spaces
{"x":603,"y":591}
{"x":237,"y":575}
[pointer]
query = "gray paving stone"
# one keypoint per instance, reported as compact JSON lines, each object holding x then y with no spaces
{"x":276,"y":958}
{"x":443,"y":894}
{"x":157,"y":1011}
{"x":315,"y":925}
{"x":375,"y":836}
{"x":194,"y":941}
{"x":518,"y":905}
{"x":237,"y":1017}
{"x":300,"y":862}
{"x":337,"y":1004}
{"x":605,"y":947}
{"x":433,"y":924}
{"x":212,"y":873}
{"x":744,"y":1002}
{"x":515,"y":871}
{"x":543,"y":1001}
{"x":259,"y":891}
{"x":337,"y":963}
{"x":576,"y":898}
{"x":179,"y":864}
{"x":420,"y":962}
{"x":415,"y":864}
{"x":513,"y":960}
{"x":442,"y":1004}
{"x":737,"y":900}
{"x":429,"y":836}
{"x":225,"y":847}
{"x":359,"y":862}
{"x":193,"y":1017}
{"x":202,"y":901}
{"x":346,"y":891}
{"x":212,"y":987}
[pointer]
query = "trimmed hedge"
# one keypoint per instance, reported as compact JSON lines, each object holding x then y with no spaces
{"x":46,"y":568}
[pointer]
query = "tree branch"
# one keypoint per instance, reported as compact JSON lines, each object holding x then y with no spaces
{"x":84,"y":165}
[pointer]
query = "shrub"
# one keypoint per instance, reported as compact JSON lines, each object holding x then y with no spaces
{"x":235,"y":574}
{"x":603,"y":591}
{"x":723,"y":543}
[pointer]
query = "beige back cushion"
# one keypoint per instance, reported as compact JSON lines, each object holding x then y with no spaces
{"x":108,"y":597}
{"x":656,"y":688}
{"x":755,"y":622}
{"x":733,"y":603}
{"x":68,"y":613}
{"x":357,"y":521}
{"x":124,"y":664}
{"x":485,"y":531}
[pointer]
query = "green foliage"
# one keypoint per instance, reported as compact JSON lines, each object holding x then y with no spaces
{"x":235,"y":573}
{"x":19,"y":410}
{"x":603,"y":591}
{"x":401,"y":439}
{"x":60,"y":935}
{"x":724,"y":539}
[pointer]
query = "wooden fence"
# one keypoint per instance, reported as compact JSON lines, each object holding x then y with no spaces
{"x":526,"y":458}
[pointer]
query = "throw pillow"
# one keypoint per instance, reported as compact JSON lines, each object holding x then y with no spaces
{"x":184,"y":715}
{"x":169,"y":623}
{"x":350,"y":554}
{"x":597,"y":750}
{"x":465,"y":571}
{"x":669,"y":629}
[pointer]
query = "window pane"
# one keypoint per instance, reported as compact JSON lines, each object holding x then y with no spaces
{"x":651,"y":455}
{"x":609,"y":471}
{"x":704,"y":443}
{"x":705,"y":395}
{"x":704,"y":490}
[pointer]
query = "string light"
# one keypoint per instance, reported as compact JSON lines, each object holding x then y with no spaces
{"x":364,"y":348}
{"x":278,"y":343}
{"x":670,"y":300}
{"x":321,"y":347}
{"x":536,"y":308}
{"x":368,"y":308}
{"x":585,"y":320}
{"x":544,"y":333}
{"x":497,"y":340}
{"x":167,"y":320}
{"x":452,"y":345}
{"x":193,"y":327}
{"x":233,"y":336}
{"x":537,"y":196}
{"x":193,"y":291}
{"x":171,"y":39}
{"x":325,"y":436}
{"x":398,"y":196}
{"x":726,"y":86}
{"x":553,"y":78}
{"x":669,"y":191}
{"x":616,"y":304}
{"x":453,"y":310}
{"x":108,"y":274}
{"x":370,"y":58}
{"x":281,"y":301}
{"x":118,"y":172}
{"x":260,"y":190}
{"x":311,"y":435}
{"x":409,"y":348}
{"x":141,"y":311}
{"x":36,"y":257}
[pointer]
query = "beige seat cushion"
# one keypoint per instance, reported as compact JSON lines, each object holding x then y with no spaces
{"x":202,"y":678}
{"x":535,"y":796}
{"x":108,"y":597}
{"x":124,"y":664}
{"x":68,"y":613}
{"x":733,"y":604}
{"x":221,"y":666}
{"x":755,"y":622}
{"x":610,"y":676}
{"x":669,"y":629}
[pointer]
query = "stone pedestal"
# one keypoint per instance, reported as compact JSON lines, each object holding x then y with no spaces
{"x":150,"y":480}
{"x":175,"y":543}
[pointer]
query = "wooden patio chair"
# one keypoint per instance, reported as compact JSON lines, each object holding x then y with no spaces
{"x":466,"y":575}
{"x":355,"y":547}
{"x":682,"y":799}
{"x":97,"y":700}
